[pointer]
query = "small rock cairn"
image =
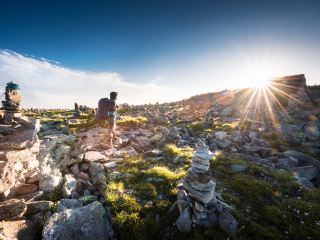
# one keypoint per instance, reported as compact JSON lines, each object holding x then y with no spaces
{"x":12,"y":103}
{"x":77,"y":113}
{"x":196,"y":201}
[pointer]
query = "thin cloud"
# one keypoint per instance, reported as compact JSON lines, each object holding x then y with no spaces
{"x":45,"y":84}
{"x":157,"y":78}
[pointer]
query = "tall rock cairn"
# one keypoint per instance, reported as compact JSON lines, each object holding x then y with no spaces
{"x":196,"y":201}
{"x":77,"y":113}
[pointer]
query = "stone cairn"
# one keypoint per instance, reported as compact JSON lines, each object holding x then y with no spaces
{"x":11,"y":105}
{"x":77,"y":112}
{"x":196,"y":200}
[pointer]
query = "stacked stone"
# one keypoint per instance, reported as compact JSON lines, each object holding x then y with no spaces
{"x":196,"y":201}
{"x":77,"y":113}
{"x":12,"y":103}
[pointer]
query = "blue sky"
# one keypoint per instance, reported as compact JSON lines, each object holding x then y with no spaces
{"x":66,"y":51}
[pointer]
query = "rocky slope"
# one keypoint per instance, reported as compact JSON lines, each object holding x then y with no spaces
{"x":170,"y":175}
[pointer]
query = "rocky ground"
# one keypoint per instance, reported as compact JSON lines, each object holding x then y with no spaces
{"x":260,"y":174}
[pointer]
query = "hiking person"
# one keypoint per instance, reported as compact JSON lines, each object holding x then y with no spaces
{"x":107,"y":110}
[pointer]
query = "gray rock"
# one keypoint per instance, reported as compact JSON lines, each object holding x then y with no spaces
{"x":154,"y":152}
{"x":312,"y":131}
{"x":88,"y":199}
{"x":65,"y":204}
{"x":286,"y":163}
{"x":110,"y":165}
{"x":184,"y":221}
{"x":93,"y":156}
{"x":97,"y":173}
{"x":128,"y":150}
{"x":49,"y":183}
{"x":69,"y":186}
{"x":202,"y":196}
{"x":144,"y":143}
{"x":199,"y":167}
{"x":227,"y":223}
{"x":238,"y":168}
{"x":89,"y":222}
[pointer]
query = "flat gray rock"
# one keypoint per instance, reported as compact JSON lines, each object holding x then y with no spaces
{"x":184,"y":221}
{"x":128,"y":150}
{"x":93,"y":156}
{"x":110,"y":165}
{"x":301,"y":156}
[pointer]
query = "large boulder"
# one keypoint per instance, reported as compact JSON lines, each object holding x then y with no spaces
{"x":89,"y":222}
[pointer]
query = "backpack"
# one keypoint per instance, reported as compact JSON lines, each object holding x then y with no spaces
{"x":103,"y":108}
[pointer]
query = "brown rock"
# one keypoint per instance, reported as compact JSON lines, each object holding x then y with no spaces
{"x":26,"y":189}
{"x":83,"y":175}
{"x":34,"y":178}
{"x":35,"y":196}
{"x":12,"y":209}
{"x":80,"y":187}
{"x":21,"y":229}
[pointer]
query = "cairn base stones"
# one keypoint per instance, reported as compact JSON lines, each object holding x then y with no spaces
{"x":196,"y":201}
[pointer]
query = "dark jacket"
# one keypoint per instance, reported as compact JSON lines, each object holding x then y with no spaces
{"x":113,"y":105}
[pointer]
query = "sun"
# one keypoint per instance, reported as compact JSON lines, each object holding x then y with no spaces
{"x":258,"y":78}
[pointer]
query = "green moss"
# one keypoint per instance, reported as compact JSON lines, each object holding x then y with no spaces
{"x":171,"y":150}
